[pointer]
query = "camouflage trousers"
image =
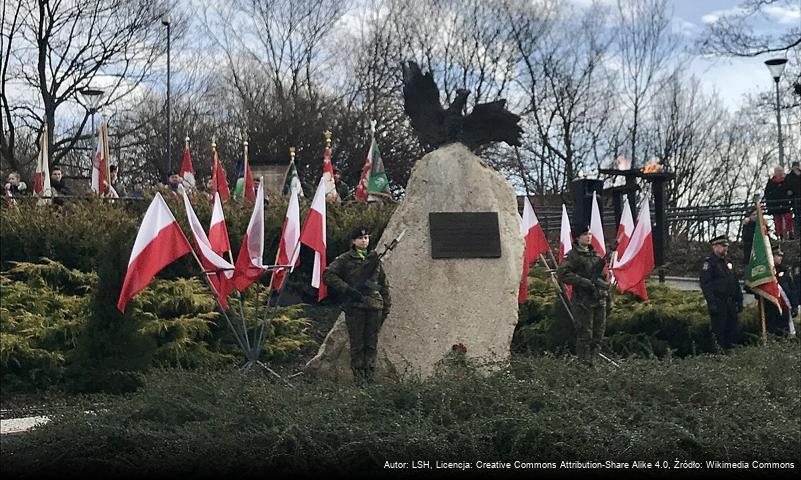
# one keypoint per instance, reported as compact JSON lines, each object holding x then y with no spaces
{"x":363,"y":326}
{"x":590,"y":324}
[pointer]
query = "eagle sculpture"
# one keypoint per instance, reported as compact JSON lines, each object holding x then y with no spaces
{"x":437,"y":126}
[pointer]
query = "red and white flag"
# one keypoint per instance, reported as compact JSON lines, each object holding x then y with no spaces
{"x":637,"y":262}
{"x":626,"y":228}
{"x":289,"y":246}
{"x":328,"y":177}
{"x":218,"y":232}
{"x":565,"y":244}
{"x":250,"y":189}
{"x":187,"y":171}
{"x":313,"y":235}
{"x":536,"y":244}
{"x":41,"y":179}
{"x":249,"y":262}
{"x":597,"y":227}
{"x":159,"y":242}
{"x":565,"y":238}
{"x":218,"y":270}
{"x":219,"y":183}
{"x":101,"y":177}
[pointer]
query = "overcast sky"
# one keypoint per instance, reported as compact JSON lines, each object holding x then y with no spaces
{"x":731,"y":78}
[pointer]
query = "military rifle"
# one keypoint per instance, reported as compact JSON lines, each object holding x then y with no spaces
{"x":371,"y":265}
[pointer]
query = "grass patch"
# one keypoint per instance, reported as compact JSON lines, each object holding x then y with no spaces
{"x":742,"y":406}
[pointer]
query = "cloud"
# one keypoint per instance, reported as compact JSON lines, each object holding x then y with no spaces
{"x":784,"y":15}
{"x":680,"y":26}
{"x":715,"y":15}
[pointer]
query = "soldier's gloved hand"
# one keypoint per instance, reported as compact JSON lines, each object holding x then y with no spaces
{"x":354,"y":294}
{"x":600,"y":284}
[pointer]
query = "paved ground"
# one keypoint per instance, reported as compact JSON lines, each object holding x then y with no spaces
{"x":16,"y":425}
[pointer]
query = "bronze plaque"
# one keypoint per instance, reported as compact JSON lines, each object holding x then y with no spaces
{"x":464,"y":234}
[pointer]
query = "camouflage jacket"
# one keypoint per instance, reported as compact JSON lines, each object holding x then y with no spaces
{"x":576,"y":269}
{"x":344,"y":272}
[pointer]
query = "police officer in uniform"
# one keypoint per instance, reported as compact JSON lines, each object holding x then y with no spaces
{"x":722,"y":292}
{"x":366,"y":305}
{"x":590,"y":295}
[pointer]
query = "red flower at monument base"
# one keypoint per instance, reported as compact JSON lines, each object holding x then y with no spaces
{"x":459,"y":347}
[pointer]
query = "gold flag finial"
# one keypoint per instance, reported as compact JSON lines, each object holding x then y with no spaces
{"x":372,"y":126}
{"x":291,"y":154}
{"x":213,"y":143}
{"x":187,"y":141}
{"x":327,"y":134}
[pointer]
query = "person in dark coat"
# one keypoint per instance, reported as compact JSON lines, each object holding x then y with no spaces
{"x":367,"y":306}
{"x":749,"y":227}
{"x":793,"y":181}
{"x":722,"y":292}
{"x":778,"y":202}
{"x":775,"y":322}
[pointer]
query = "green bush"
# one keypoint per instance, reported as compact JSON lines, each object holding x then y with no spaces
{"x":742,"y":406}
{"x":41,"y":318}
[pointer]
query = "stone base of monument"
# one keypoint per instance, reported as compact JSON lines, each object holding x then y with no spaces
{"x":440,"y":302}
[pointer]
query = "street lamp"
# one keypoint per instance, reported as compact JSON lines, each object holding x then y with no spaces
{"x":165,"y":20}
{"x":776,"y":67}
{"x":92,"y":97}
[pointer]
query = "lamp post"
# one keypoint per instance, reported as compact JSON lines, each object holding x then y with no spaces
{"x":92,"y":97}
{"x":776,"y":67}
{"x":165,"y":20}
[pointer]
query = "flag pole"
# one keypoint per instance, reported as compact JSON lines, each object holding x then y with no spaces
{"x":761,"y":299}
{"x":216,"y":295}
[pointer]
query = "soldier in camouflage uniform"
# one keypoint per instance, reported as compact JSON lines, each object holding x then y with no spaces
{"x":590,"y":296}
{"x":366,"y":306}
{"x":724,"y":298}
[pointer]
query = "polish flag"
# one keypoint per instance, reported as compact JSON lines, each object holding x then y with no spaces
{"x":313,"y":235}
{"x":100,"y":164}
{"x":626,"y":228}
{"x":289,"y":246}
{"x":159,"y":242}
{"x":249,"y":264}
{"x":187,"y":171}
{"x":597,"y":227}
{"x":218,"y":232}
{"x":218,"y":270}
{"x":536,"y":245}
{"x":565,"y":244}
{"x":565,"y":239}
{"x":637,"y":262}
{"x":250,"y":190}
{"x":41,"y":179}
{"x":218,"y":182}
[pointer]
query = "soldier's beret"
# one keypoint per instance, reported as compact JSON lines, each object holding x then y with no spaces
{"x":720,"y":240}
{"x":579,"y":229}
{"x":358,"y":232}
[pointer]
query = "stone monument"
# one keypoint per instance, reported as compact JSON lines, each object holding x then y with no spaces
{"x":455,"y":290}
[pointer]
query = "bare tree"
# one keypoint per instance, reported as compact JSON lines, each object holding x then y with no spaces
{"x":733,"y":34}
{"x":647,"y":50}
{"x":61,"y":46}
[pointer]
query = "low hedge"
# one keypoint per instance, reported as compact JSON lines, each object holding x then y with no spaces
{"x":744,"y":406}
